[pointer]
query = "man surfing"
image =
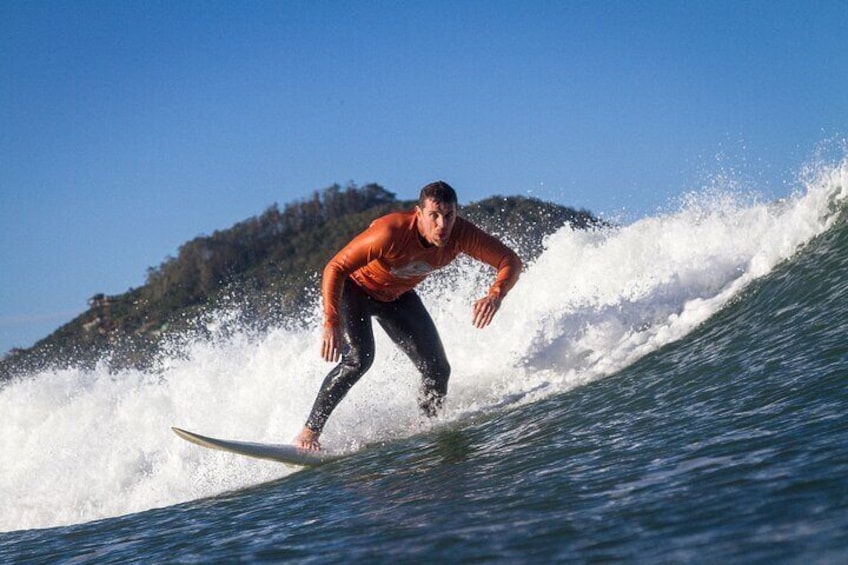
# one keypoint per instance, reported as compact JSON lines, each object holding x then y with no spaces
{"x":375,"y":275}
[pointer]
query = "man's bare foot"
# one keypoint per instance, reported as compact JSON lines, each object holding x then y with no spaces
{"x":307,"y":439}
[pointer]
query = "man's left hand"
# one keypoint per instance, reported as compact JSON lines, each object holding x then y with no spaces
{"x":484,"y":310}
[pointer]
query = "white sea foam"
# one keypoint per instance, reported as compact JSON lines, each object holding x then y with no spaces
{"x":82,"y":445}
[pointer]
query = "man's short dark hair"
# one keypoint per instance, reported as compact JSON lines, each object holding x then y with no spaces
{"x":439,"y":192}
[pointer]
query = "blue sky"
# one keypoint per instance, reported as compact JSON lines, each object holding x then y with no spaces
{"x":128,"y":128}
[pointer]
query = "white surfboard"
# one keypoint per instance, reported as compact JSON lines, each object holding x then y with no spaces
{"x":275,"y":452}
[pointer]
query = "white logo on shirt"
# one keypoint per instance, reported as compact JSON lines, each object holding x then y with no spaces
{"x":414,"y":269}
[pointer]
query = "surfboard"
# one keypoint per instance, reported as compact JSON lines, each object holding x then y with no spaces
{"x":282,"y":453}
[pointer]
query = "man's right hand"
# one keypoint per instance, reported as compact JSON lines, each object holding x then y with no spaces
{"x":331,"y":344}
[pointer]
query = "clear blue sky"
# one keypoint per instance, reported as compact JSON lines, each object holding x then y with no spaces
{"x":128,"y":128}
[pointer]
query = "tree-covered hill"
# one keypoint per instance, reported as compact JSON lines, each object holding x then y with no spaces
{"x":266,"y":267}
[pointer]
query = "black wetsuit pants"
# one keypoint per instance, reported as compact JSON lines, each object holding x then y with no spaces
{"x":408,"y":324}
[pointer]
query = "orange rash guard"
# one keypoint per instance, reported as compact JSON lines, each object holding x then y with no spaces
{"x":390,"y":258}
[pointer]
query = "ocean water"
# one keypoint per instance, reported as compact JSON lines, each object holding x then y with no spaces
{"x":673,"y":390}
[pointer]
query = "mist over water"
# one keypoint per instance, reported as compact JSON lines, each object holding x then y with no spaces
{"x":83,"y":445}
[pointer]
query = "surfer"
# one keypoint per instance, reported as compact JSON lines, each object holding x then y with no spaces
{"x":375,"y":275}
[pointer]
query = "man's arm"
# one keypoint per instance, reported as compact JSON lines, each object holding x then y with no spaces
{"x":364,"y":248}
{"x":490,"y":250}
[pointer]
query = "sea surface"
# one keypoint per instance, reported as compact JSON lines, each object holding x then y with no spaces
{"x":669,"y":391}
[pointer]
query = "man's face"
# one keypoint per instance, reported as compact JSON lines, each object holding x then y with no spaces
{"x":435,"y":221}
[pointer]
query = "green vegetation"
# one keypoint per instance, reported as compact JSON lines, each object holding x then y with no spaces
{"x":266,"y":268}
